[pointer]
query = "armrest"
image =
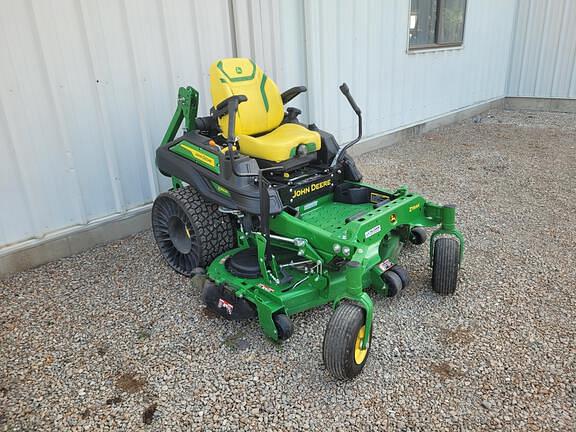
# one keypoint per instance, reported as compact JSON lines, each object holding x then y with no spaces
{"x":223,"y":107}
{"x":230,"y":106}
{"x":290,"y":94}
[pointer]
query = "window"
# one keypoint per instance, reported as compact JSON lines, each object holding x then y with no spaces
{"x":436,"y":23}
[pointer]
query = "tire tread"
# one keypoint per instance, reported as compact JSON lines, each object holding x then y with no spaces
{"x":445,"y":265}
{"x":214,"y":230}
{"x":339,"y":339}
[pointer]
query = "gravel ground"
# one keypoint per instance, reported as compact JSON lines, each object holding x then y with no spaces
{"x":112,"y":339}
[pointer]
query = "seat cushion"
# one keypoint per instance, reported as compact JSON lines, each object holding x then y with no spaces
{"x":280,"y":144}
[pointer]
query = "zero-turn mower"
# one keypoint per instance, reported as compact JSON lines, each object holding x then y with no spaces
{"x":275,"y":212}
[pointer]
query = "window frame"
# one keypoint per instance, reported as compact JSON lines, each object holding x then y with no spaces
{"x":435,"y":46}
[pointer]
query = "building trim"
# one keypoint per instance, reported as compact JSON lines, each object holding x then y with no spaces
{"x":72,"y":240}
{"x":540,"y":104}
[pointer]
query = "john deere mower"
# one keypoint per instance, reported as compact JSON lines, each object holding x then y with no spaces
{"x":275,"y":214}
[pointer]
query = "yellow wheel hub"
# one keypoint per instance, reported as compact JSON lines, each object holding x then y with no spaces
{"x":359,"y":353}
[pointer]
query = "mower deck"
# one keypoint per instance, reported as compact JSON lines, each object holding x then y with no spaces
{"x":333,"y":234}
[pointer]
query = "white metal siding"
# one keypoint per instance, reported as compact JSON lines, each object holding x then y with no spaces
{"x":273,"y":34}
{"x":364,"y":43}
{"x":543,"y":62}
{"x":87,"y":89}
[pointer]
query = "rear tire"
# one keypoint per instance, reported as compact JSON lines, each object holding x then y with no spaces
{"x":190,"y":231}
{"x":342,"y":355}
{"x":445,"y":264}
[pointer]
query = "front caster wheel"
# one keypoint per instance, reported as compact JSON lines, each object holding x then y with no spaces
{"x":342,"y":353}
{"x":403,"y":274}
{"x":417,"y":236}
{"x":445,"y":264}
{"x":284,"y":326}
{"x":393,"y":282}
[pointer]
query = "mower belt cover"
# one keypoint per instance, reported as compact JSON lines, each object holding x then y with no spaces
{"x":225,"y":303}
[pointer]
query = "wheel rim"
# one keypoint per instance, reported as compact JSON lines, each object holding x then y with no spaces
{"x":359,"y":353}
{"x":175,"y":235}
{"x":180,"y":234}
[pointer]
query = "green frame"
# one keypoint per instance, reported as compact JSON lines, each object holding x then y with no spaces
{"x":370,"y":245}
{"x":367,"y":245}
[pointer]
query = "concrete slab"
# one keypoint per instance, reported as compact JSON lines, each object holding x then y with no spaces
{"x":540,"y":104}
{"x":73,"y":240}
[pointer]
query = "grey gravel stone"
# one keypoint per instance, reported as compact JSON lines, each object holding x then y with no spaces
{"x":112,"y":339}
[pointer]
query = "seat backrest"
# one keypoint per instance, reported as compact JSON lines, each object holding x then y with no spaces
{"x":263,"y":111}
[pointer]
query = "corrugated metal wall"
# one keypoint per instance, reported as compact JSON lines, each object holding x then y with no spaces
{"x":543,"y":62}
{"x":364,"y":43}
{"x":87,"y":88}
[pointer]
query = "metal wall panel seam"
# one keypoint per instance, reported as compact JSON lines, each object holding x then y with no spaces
{"x":138,"y":92}
{"x":23,"y":184}
{"x":336,"y":56}
{"x":109,"y":144}
{"x":309,"y":38}
{"x":275,"y":47}
{"x":512,"y":42}
{"x":257,"y":30}
{"x":232,"y":21}
{"x":376,"y":8}
{"x":261,"y":55}
{"x":240,"y":20}
{"x":272,"y":38}
{"x":252,"y":47}
{"x":540,"y":51}
{"x":304,"y":57}
{"x":572,"y":82}
{"x":199,"y":51}
{"x":398,"y":38}
{"x":60,"y":127}
{"x":34,"y":216}
{"x":169,"y":69}
{"x":524,"y":49}
{"x":553,"y":81}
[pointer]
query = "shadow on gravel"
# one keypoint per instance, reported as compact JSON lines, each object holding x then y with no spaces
{"x":237,"y":341}
{"x":129,"y":383}
{"x":457,"y":336}
{"x":148,"y":414}
{"x":444,"y":370}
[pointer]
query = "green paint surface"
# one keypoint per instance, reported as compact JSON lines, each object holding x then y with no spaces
{"x":197,"y":154}
{"x":220,"y":189}
{"x":374,"y":241}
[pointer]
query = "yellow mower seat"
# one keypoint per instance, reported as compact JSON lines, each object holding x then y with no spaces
{"x":261,"y":114}
{"x":280,"y":144}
